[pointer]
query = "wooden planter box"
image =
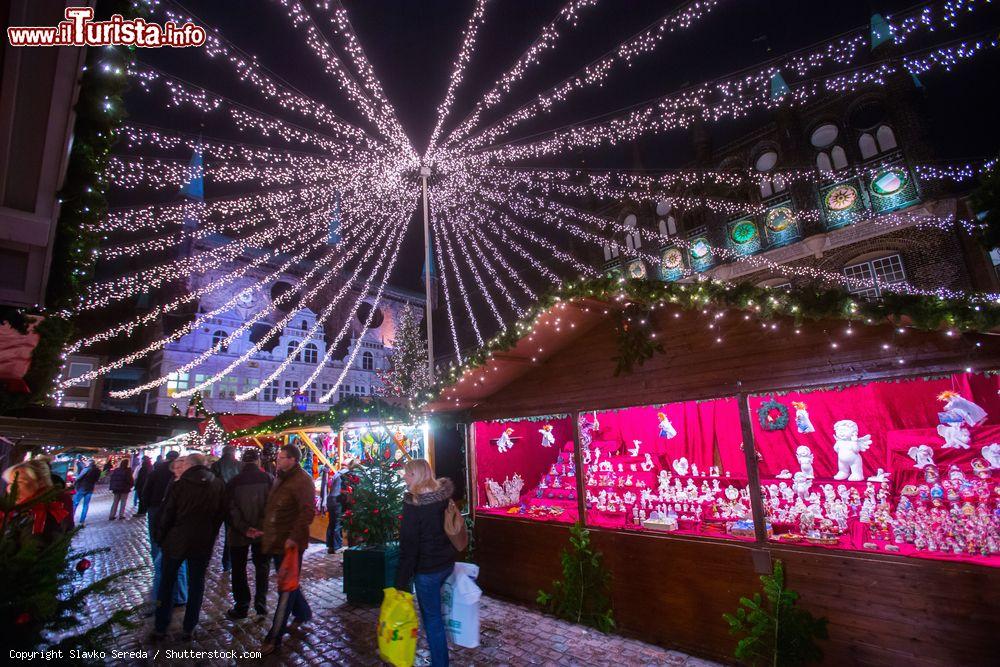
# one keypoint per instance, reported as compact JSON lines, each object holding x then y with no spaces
{"x":367,"y":572}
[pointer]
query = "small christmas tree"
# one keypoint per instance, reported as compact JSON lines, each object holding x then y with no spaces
{"x":778,"y":632}
{"x":582,"y":595}
{"x":374,"y":491}
{"x":408,"y":373}
{"x":196,"y":407}
{"x":44,"y":599}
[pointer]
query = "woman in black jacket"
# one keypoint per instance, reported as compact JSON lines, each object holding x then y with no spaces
{"x":120,"y":484}
{"x":426,"y":554}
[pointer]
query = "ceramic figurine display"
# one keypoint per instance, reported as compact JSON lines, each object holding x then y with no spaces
{"x":955,"y":435}
{"x":784,"y":474}
{"x":547,"y":438}
{"x":849,"y":447}
{"x":504,"y":442}
{"x":923,"y":455}
{"x":635,"y":449}
{"x":991,"y":453}
{"x":667,"y":429}
{"x":805,"y":458}
{"x":880,"y":476}
{"x":503,"y":495}
{"x":802,"y":423}
{"x":680,"y":466}
{"x":802,"y":484}
{"x":958,"y":410}
{"x":647,"y":465}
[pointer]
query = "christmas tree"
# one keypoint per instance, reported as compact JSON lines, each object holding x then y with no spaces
{"x":408,"y":374}
{"x":44,"y":583}
{"x":196,"y":407}
{"x":374,"y":490}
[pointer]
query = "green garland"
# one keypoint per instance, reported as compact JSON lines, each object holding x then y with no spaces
{"x":100,"y":110}
{"x":801,"y":304}
{"x":764,"y":415}
{"x":635,"y":346}
{"x":348,"y":408}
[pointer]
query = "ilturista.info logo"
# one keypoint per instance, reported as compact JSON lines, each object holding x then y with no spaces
{"x":80,"y":29}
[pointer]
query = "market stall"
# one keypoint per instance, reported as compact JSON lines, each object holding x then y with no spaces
{"x":856,"y":447}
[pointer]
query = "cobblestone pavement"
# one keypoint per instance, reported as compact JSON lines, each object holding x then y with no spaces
{"x":339,"y":633}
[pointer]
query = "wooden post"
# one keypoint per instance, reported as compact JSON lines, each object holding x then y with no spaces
{"x":581,"y":494}
{"x":322,"y":457}
{"x":753,"y":477}
{"x":470,"y":464}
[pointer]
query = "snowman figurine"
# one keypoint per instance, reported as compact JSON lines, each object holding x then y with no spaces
{"x":547,"y":438}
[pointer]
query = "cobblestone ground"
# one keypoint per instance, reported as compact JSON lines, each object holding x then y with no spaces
{"x":339,"y":633}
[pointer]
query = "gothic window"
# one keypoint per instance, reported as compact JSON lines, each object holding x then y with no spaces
{"x":310,"y":353}
{"x":217,"y":339}
{"x":633,"y":239}
{"x":610,"y":252}
{"x":866,"y":144}
{"x":885,"y":138}
{"x":883,"y":272}
{"x":368,"y":361}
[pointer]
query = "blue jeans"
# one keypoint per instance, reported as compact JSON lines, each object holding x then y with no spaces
{"x":288,"y":604}
{"x":82,"y":497}
{"x":167,"y":589}
{"x":181,"y":589}
{"x":429,"y":596}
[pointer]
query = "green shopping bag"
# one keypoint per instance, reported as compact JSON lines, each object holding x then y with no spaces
{"x":397,"y":628}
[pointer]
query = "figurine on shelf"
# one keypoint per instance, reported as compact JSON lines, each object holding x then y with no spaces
{"x":504,"y":442}
{"x":605,"y":466}
{"x":667,"y":429}
{"x":849,"y":447}
{"x":621,"y":468}
{"x":664,"y":479}
{"x":586,"y":431}
{"x":992,"y":455}
{"x":802,"y":484}
{"x":880,"y":476}
{"x":784,"y":474}
{"x":547,"y":438}
{"x":805,"y":458}
{"x":958,"y":410}
{"x":635,"y":450}
{"x":557,"y":483}
{"x":694,"y":469}
{"x":648,"y":464}
{"x":923,"y":455}
{"x":586,"y":456}
{"x":802,"y":422}
{"x":681,"y":466}
{"x":955,"y":435}
{"x":713,"y":471}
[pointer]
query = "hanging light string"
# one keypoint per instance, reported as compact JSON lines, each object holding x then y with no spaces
{"x":450,"y":263}
{"x":439,"y":252}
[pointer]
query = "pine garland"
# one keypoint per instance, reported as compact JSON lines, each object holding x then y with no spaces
{"x":347,"y":409}
{"x":582,"y":594}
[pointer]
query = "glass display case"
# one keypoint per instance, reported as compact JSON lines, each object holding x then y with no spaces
{"x":525,"y":468}
{"x":677,"y":468}
{"x":908,"y":467}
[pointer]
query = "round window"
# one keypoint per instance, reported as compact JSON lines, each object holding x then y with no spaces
{"x":766,"y":161}
{"x":700,"y":248}
{"x":366,"y":309}
{"x":824,"y":135}
{"x":631,"y":220}
{"x":664,"y":207}
{"x":779,"y":219}
{"x":841,"y":198}
{"x":672,"y":258}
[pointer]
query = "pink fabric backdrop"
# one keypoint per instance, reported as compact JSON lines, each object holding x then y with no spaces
{"x":699,"y":426}
{"x":877,"y":408}
{"x":527,"y":458}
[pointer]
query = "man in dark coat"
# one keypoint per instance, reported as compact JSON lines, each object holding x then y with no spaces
{"x":83,"y":489}
{"x":153,"y":491}
{"x":246,"y":497}
{"x":226,"y":468}
{"x":145,"y":467}
{"x":186,"y":529}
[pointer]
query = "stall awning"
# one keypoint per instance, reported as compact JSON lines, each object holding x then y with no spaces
{"x":76,"y":427}
{"x":230,"y":423}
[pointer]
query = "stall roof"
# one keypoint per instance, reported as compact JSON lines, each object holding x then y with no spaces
{"x":78,"y":427}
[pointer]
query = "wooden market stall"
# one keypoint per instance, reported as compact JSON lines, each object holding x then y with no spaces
{"x":722,"y":360}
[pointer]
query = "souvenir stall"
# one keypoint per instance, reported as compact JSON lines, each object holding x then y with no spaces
{"x":716,"y":429}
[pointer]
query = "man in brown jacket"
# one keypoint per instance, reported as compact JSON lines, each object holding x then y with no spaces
{"x":289,"y":511}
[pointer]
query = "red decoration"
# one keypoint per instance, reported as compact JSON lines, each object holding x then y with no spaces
{"x":83,"y":565}
{"x":24,"y":618}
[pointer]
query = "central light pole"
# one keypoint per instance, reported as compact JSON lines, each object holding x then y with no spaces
{"x":425,"y":172}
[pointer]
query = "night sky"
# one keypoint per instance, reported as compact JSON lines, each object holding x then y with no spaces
{"x":412,"y":44}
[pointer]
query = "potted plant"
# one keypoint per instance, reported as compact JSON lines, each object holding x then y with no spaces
{"x":373,"y":508}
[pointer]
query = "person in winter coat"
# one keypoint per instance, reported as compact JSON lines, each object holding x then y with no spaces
{"x":426,"y":555}
{"x":289,"y":511}
{"x":246,"y":497}
{"x":154,"y":489}
{"x":186,"y":529}
{"x":83,"y":489}
{"x":120,"y":483}
{"x":226,"y":468}
{"x":145,"y":467}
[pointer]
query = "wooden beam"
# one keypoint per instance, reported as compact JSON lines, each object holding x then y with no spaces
{"x":322,"y":457}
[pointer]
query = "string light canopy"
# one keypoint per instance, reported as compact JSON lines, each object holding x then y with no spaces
{"x":502,"y":229}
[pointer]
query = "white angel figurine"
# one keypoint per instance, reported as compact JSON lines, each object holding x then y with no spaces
{"x":547,"y":438}
{"x":504,"y":442}
{"x":960,"y":410}
{"x":955,"y":435}
{"x":849,"y":446}
{"x":694,"y":469}
{"x":923,"y":455}
{"x":648,"y":464}
{"x":635,"y":450}
{"x":681,"y":466}
{"x":992,"y":455}
{"x":880,"y":476}
{"x":667,"y":429}
{"x":805,"y":458}
{"x":802,"y":484}
{"x":802,"y":422}
{"x":784,"y":474}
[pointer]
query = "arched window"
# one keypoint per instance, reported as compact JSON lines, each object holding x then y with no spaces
{"x":368,"y":361}
{"x":885,"y":138}
{"x":633,"y":240}
{"x":304,"y":326}
{"x":610,"y":252}
{"x":866,"y":144}
{"x":764,"y":164}
{"x":217,"y":338}
{"x":839,"y":157}
{"x":830,"y":155}
{"x":291,"y":350}
{"x":310,"y":354}
{"x":668,"y":224}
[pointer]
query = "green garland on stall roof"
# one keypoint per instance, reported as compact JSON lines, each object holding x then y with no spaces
{"x":635,"y":346}
{"x":536,"y":418}
{"x":346,"y":409}
{"x":841,"y":386}
{"x":800,"y":304}
{"x":100,"y":110}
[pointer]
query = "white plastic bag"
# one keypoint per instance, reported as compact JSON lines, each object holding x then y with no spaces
{"x":460,"y":605}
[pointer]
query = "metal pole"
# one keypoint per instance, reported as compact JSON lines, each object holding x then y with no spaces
{"x":424,"y":173}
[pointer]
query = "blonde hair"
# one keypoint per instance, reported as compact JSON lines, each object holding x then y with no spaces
{"x":35,"y":472}
{"x":423,"y":476}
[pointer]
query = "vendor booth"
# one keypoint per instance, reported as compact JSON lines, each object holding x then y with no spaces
{"x":857,"y":448}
